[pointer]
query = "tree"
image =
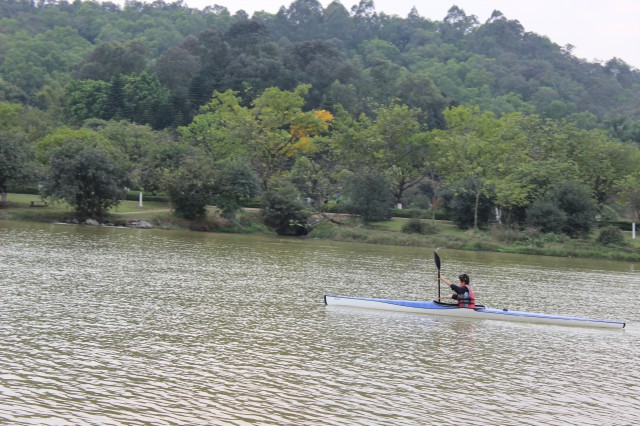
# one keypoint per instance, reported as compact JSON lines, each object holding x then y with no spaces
{"x":369,"y":196}
{"x":61,"y":136}
{"x":198,"y":183}
{"x":223,"y":128}
{"x":529,"y":158}
{"x":146,"y":101}
{"x":175,"y":68}
{"x":468,"y":206}
{"x":464,"y":154}
{"x":399,"y":148}
{"x":576,"y":201}
{"x":283,"y":209}
{"x":543,"y":214}
{"x":114,"y":108}
{"x":114,"y":57}
{"x":602,"y":161}
{"x":272,"y":133}
{"x":85,"y":99}
{"x":89,"y":178}
{"x":191,"y":186}
{"x":238,"y":183}
{"x":284,"y":131}
{"x":19,"y":128}
{"x":629,"y":193}
{"x":164,"y":154}
{"x":31,"y":61}
{"x":14,"y":154}
{"x":419,"y":93}
{"x":131,"y":139}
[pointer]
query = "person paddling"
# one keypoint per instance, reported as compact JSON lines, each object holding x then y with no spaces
{"x":463,"y":292}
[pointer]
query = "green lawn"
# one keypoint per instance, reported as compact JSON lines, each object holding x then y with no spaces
{"x":132,"y":206}
{"x":20,"y":208}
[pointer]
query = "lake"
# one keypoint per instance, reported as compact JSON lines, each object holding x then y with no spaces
{"x":108,"y":326}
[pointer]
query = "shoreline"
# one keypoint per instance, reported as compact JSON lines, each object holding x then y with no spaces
{"x":446,"y":235}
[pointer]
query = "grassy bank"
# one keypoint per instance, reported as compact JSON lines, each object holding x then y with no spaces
{"x":497,"y":239}
{"x":441,"y":233}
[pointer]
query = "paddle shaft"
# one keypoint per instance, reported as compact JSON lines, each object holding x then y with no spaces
{"x":436,"y":258}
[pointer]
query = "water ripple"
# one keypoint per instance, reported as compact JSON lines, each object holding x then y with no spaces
{"x":120,"y":327}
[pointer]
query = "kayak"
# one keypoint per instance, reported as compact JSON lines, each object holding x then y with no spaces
{"x":479,"y":312}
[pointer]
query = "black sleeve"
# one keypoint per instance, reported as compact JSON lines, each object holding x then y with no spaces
{"x":459,"y":289}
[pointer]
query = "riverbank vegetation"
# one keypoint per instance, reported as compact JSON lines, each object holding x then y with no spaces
{"x":495,"y":138}
{"x":616,"y":244}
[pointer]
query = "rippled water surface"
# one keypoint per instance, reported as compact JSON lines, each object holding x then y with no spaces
{"x":129,"y":327}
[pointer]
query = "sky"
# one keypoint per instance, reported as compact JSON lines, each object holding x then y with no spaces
{"x":598,"y":29}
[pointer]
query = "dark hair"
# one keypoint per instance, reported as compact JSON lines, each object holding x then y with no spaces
{"x":464,"y":278}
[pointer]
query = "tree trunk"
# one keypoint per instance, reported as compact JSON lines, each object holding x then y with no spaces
{"x":475,"y":210}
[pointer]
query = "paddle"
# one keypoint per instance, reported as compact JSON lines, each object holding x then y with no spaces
{"x":437,"y":260}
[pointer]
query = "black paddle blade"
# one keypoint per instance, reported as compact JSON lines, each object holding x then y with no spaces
{"x":437,"y":260}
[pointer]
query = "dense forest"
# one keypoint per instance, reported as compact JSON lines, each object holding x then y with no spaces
{"x":331,"y":100}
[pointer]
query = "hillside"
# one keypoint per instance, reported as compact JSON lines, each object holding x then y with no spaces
{"x":158,"y":63}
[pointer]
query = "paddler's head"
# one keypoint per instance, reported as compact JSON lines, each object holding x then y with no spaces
{"x":464,"y":278}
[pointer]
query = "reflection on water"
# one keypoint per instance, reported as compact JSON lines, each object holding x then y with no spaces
{"x":111,"y":326}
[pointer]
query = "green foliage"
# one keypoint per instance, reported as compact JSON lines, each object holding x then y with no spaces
{"x":156,"y":198}
{"x":623,"y":225}
{"x":191,"y":187}
{"x":63,"y":136}
{"x":238,"y":183}
{"x":421,"y":201}
{"x":313,"y":94}
{"x":14,"y":159}
{"x":222,"y":128}
{"x":284,"y":210}
{"x":199,"y":182}
{"x":113,"y":58}
{"x":85,"y":99}
{"x":611,"y":236}
{"x":528,"y":237}
{"x":163,"y":154}
{"x":369,"y":196}
{"x":417,"y":226}
{"x":576,"y":202}
{"x":360,"y":59}
{"x":468,"y":208}
{"x":420,"y":214}
{"x":14,"y":147}
{"x":546,"y":216}
{"x":88,"y":177}
{"x":607,"y":213}
{"x":146,"y":101}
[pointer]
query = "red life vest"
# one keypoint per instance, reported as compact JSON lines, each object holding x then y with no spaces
{"x":468,"y":299}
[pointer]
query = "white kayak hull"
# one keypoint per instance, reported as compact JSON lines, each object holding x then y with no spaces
{"x":441,"y":309}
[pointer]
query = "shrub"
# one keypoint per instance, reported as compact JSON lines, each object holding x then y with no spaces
{"x":369,"y":196}
{"x":284,"y":211}
{"x":606,"y":213}
{"x":420,"y":201}
{"x":576,"y":202}
{"x":460,"y":206}
{"x":611,"y":235}
{"x":417,"y":226}
{"x":545,"y":216}
{"x":624,"y":226}
{"x":420,"y":214}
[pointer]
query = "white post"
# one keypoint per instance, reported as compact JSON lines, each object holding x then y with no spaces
{"x":140,"y":200}
{"x":633,"y":230}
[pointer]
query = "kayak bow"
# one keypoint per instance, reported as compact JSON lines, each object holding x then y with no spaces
{"x":480,"y":312}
